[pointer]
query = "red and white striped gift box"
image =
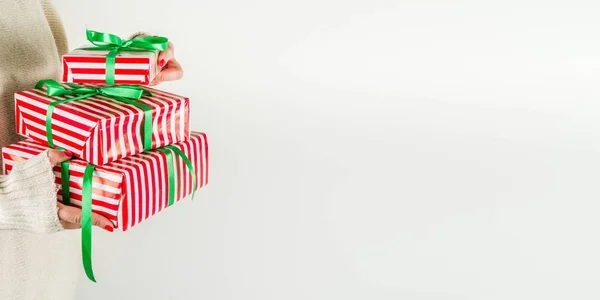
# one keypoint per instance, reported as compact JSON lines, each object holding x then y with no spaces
{"x":101,"y":129}
{"x":89,"y":66}
{"x":131,"y":189}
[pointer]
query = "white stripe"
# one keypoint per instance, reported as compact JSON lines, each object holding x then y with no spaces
{"x":172,"y":121}
{"x":19,"y":153}
{"x":100,"y":174}
{"x":114,"y":139}
{"x":94,"y":154}
{"x":42,"y":137}
{"x":94,"y":196}
{"x":103,"y":209}
{"x":103,"y":77}
{"x":129,"y":196}
{"x":123,"y":136}
{"x":98,"y":186}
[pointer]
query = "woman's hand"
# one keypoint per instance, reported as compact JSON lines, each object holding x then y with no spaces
{"x":70,"y":216}
{"x":170,"y":69}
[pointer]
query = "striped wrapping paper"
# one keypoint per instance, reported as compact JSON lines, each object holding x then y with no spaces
{"x":89,"y":66}
{"x":131,"y":189}
{"x":101,"y":129}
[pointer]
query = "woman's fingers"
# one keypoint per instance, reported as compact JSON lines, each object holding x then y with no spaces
{"x":165,"y":56}
{"x":172,"y":71}
{"x":56,"y":156}
{"x":70,"y":218}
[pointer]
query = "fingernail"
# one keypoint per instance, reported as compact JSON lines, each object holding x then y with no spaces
{"x":68,"y":153}
{"x":108,"y":228}
{"x":161,"y":63}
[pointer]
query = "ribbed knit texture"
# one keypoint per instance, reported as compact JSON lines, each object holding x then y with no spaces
{"x":32,"y":265}
{"x":28,"y":197}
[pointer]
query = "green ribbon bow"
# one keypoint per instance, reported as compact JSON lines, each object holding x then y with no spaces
{"x":114,"y":44}
{"x":86,"y":200}
{"x":123,"y":93}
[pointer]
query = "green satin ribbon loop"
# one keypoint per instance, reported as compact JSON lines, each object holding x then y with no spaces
{"x":123,"y":93}
{"x":114,"y":44}
{"x":86,"y":222}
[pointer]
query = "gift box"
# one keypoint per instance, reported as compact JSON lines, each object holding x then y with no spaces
{"x":133,"y":188}
{"x":112,"y":60}
{"x":100,"y":124}
{"x":89,"y":66}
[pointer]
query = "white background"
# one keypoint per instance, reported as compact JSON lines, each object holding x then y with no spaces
{"x":372,"y":150}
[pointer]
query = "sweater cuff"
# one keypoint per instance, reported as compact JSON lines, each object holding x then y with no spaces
{"x":28,"y":197}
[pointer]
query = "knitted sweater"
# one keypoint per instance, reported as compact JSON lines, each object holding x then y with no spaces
{"x":32,"y":265}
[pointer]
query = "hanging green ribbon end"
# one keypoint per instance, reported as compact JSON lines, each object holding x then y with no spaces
{"x":86,"y":222}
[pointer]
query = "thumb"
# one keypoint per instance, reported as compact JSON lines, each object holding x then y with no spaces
{"x":57,"y":156}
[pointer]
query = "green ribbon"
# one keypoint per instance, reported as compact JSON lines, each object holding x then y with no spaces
{"x":86,"y":222}
{"x":188,"y":163}
{"x":114,"y":44}
{"x":123,"y":93}
{"x":86,"y":200}
{"x":65,"y":177}
{"x":86,"y":214}
{"x":170,"y":174}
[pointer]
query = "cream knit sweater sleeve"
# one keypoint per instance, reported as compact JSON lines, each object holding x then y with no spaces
{"x":28,"y":197}
{"x":58,"y":31}
{"x":28,"y":193}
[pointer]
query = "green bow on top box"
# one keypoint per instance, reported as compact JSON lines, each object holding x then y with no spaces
{"x":112,"y":60}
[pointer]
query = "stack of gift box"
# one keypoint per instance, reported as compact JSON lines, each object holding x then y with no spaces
{"x":133,"y":152}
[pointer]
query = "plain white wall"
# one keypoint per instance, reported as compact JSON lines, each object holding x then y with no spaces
{"x":372,"y":150}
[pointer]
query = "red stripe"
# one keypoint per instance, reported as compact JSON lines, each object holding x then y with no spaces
{"x":205,"y":158}
{"x":195,"y":157}
{"x":188,"y":181}
{"x":102,"y":59}
{"x":65,"y":71}
{"x":108,"y":216}
{"x":117,"y":81}
{"x":125,"y":195}
{"x":29,"y":149}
